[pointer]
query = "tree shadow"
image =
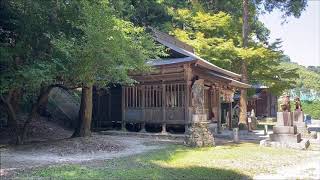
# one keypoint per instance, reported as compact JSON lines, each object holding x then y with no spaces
{"x":192,"y":172}
{"x":157,"y":164}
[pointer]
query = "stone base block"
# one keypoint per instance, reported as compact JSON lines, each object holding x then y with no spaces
{"x":298,"y":117}
{"x":284,"y":119}
{"x":302,"y":145}
{"x":199,"y":135}
{"x":289,"y":138}
{"x":284,"y":129}
{"x":305,"y":133}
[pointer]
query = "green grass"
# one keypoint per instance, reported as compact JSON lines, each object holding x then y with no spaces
{"x":178,"y":162}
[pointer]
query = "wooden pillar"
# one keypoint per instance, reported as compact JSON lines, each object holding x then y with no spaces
{"x":187,"y":98}
{"x":218,"y":111}
{"x":123,"y":107}
{"x":143,"y":107}
{"x":163,"y":99}
{"x":109,"y":105}
{"x":187,"y":102}
{"x":230,"y":115}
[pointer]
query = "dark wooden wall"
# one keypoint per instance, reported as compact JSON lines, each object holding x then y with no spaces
{"x":106,"y":107}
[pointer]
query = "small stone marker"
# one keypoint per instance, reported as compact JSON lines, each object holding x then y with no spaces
{"x":236,"y":134}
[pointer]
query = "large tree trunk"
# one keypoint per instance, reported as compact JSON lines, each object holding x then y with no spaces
{"x":42,"y":109}
{"x":83,"y":127}
{"x":12,"y":117}
{"x":43,"y":96}
{"x":16,"y":99}
{"x":244,"y":67}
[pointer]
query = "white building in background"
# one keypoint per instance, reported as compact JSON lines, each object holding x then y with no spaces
{"x":305,"y":94}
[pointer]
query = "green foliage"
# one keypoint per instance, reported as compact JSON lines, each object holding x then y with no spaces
{"x":305,"y":79}
{"x":23,"y":46}
{"x":288,"y":7}
{"x":71,"y":41}
{"x":76,"y":42}
{"x":108,"y":49}
{"x":215,"y":38}
{"x":312,"y":108}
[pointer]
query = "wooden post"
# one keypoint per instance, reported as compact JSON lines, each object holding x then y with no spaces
{"x":188,"y":77}
{"x":230,"y":116}
{"x":123,"y":105}
{"x":187,"y":103}
{"x":219,"y":111}
{"x":109,"y":106}
{"x":143,"y":99}
{"x":163,"y":108}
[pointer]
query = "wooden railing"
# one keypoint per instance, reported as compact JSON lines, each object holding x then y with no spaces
{"x":155,"y":103}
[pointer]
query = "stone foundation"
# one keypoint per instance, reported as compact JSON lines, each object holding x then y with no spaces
{"x":199,"y":135}
{"x":286,"y":138}
{"x":286,"y":133}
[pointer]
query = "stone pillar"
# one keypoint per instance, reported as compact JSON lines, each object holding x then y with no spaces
{"x":236,"y":134}
{"x":298,"y":120}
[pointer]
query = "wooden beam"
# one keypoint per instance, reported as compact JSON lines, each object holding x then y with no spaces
{"x":158,"y":77}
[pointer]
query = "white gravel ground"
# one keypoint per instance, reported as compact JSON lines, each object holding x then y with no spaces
{"x":31,"y":156}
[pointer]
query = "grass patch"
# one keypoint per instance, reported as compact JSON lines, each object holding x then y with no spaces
{"x":236,"y":161}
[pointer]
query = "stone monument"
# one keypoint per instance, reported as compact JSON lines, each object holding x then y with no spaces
{"x":285,"y":133}
{"x":198,"y":133}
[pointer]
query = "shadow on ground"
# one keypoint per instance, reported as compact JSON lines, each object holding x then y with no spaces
{"x":159,"y":164}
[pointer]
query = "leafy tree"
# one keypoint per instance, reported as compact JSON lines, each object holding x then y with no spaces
{"x":25,"y":54}
{"x":306,"y":78}
{"x":107,"y":51}
{"x":289,"y":7}
{"x":76,"y":43}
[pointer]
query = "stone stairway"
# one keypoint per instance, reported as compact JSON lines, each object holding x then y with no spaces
{"x":64,"y":105}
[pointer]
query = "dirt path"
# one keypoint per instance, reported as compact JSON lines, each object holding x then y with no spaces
{"x":79,"y":150}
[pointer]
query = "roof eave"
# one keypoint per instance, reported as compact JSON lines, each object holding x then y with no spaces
{"x":240,"y":84}
{"x":213,"y":67}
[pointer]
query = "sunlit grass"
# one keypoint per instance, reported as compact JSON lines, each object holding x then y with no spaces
{"x":179,"y":162}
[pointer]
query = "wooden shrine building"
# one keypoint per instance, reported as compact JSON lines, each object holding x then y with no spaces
{"x":163,"y":96}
